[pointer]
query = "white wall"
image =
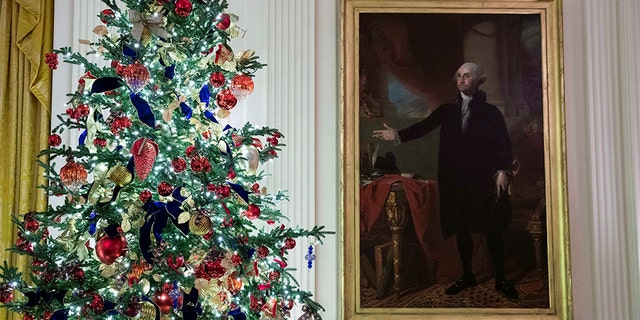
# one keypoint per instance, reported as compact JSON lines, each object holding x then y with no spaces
{"x":601,"y":82}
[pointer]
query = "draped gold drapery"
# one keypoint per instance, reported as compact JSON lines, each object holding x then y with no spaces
{"x":25,"y":93}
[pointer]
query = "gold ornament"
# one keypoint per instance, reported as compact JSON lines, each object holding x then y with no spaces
{"x":120,"y":175}
{"x":200,"y":224}
{"x":147,"y":311}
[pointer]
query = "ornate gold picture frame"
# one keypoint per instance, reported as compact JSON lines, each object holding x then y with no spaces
{"x":398,"y":61}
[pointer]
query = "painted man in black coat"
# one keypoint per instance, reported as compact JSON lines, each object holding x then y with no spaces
{"x":473,"y":172}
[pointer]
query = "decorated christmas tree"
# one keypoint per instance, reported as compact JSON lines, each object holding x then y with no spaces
{"x":163,"y":214}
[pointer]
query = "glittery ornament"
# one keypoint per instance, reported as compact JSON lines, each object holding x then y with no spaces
{"x":252,"y":212}
{"x":289,"y":243}
{"x":217,"y":79}
{"x":200,"y":224}
{"x":178,"y":164}
{"x":263,"y":252}
{"x":30,"y":222}
{"x":226,"y":100}
{"x":144,"y":153}
{"x":147,"y":311}
{"x":120,"y":175}
{"x":145,"y":196}
{"x":108,"y":249}
{"x":55,"y":140}
{"x":100,"y":142}
{"x":183,"y":8}
{"x":163,"y":301}
{"x":241,"y":86}
{"x":73,"y":175}
{"x":164,"y":188}
{"x":191,"y":151}
{"x":136,"y":76}
{"x":78,"y":274}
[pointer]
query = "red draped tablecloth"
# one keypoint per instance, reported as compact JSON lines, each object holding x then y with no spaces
{"x":422,"y":199}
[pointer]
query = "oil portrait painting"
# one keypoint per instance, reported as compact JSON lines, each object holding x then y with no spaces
{"x":451,"y":111}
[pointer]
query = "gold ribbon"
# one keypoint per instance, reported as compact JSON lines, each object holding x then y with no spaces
{"x":153,"y":23}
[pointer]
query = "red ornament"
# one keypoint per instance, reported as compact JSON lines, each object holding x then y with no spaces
{"x":231,"y":175}
{"x":30,"y":222}
{"x":263,"y":252}
{"x":144,"y":151}
{"x":217,"y":79}
{"x":100,"y":142}
{"x":224,"y":22}
{"x":106,"y":13}
{"x":120,"y":123}
{"x":252,"y":212}
{"x":82,"y":110}
{"x":145,"y":196}
{"x":164,"y":188}
{"x":290,"y":243}
{"x":27,"y":317}
{"x":73,"y":175}
{"x":236,"y":259}
{"x":108,"y":249}
{"x":226,"y":100}
{"x":175,"y":262}
{"x":97,"y":303}
{"x":241,"y":86}
{"x":132,"y":310}
{"x":163,"y":301}
{"x":200,"y":164}
{"x":78,"y":274}
{"x":183,"y":8}
{"x":6,"y":294}
{"x":178,"y":164}
{"x":55,"y":140}
{"x":136,"y":75}
{"x":191,"y":152}
{"x":274,"y":275}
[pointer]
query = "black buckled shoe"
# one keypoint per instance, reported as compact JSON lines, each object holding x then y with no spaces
{"x":507,"y":289}
{"x":460,"y":285}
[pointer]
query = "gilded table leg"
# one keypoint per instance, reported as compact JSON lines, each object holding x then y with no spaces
{"x":397,"y":219}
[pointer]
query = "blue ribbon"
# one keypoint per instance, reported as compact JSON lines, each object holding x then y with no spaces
{"x":61,"y":314}
{"x":105,"y":84}
{"x":237,"y":314}
{"x":191,"y":307}
{"x":82,"y":137}
{"x":144,"y":111}
{"x":35,"y":296}
{"x":169,"y":71}
{"x":158,"y":213}
{"x":205,"y":95}
{"x":209,"y":115}
{"x":244,"y":194}
{"x":184,"y":108}
{"x":129,"y":52}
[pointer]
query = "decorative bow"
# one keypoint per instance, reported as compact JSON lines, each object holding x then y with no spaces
{"x":158,"y":214}
{"x":153,"y":22}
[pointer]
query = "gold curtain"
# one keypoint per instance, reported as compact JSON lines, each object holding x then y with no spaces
{"x":25,"y":94}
